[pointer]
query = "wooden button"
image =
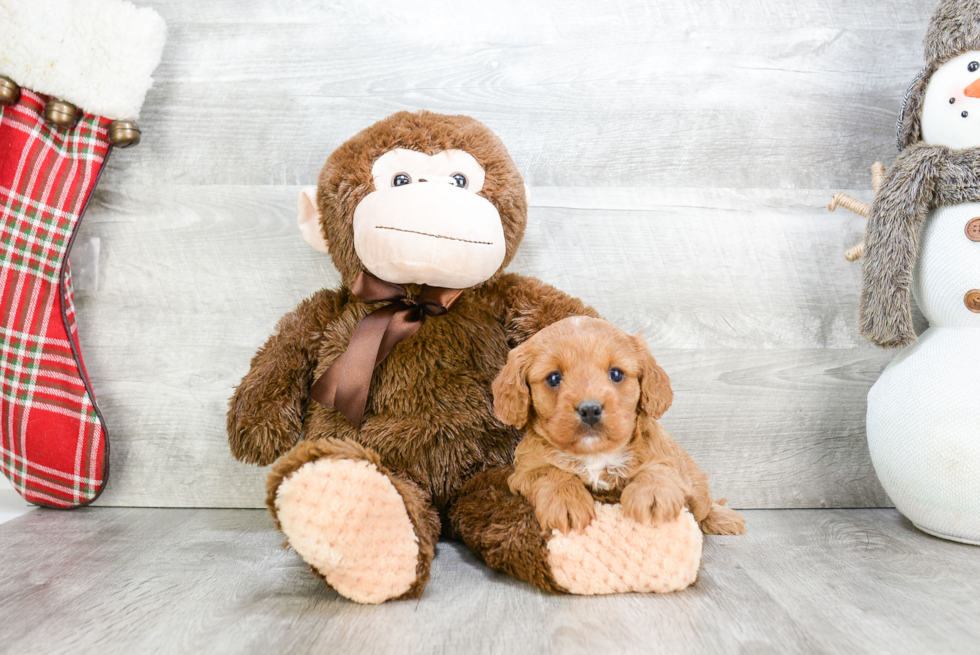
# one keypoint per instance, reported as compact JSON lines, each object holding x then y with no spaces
{"x":972,"y":301}
{"x":973,"y":230}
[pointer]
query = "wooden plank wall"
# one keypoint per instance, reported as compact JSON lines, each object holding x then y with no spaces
{"x":680,"y":152}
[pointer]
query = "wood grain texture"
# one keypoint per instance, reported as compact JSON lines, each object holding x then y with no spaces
{"x":215,"y":581}
{"x":681,"y":155}
{"x":744,"y":297}
{"x":755,"y":93}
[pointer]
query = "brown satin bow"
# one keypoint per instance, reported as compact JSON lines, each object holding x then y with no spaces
{"x":345,"y":384}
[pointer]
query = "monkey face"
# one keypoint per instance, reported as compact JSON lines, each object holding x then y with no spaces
{"x":425,"y":223}
{"x":372,"y":210}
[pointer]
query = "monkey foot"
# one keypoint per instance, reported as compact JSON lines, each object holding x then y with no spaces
{"x":617,"y":555}
{"x":347,"y":521}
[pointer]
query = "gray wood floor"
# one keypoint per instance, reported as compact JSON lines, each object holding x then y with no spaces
{"x":681,"y":154}
{"x":216,"y":581}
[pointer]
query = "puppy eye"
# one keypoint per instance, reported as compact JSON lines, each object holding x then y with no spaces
{"x":616,"y":375}
{"x":553,"y":380}
{"x":973,"y":67}
{"x":401,"y":179}
{"x":460,"y":180}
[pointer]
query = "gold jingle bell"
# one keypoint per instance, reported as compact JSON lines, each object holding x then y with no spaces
{"x":61,"y":114}
{"x":123,"y":134}
{"x":9,"y":91}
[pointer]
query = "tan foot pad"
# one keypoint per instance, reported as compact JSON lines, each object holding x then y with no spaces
{"x":348,"y":522}
{"x":617,"y":555}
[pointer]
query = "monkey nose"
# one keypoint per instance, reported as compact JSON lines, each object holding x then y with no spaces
{"x":590,"y":412}
{"x":437,"y":179}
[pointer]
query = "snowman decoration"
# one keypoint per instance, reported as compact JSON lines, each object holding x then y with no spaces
{"x":923,"y":241}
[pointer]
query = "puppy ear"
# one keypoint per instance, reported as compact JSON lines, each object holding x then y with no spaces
{"x":308,"y":219}
{"x":511,"y":394}
{"x":656,"y":396}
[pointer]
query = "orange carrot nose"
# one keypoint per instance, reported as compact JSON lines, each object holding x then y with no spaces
{"x":973,"y":91}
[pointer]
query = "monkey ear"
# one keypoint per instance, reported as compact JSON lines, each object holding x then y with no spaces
{"x":656,"y":396}
{"x":511,"y":395}
{"x":308,"y":219}
{"x":527,"y":194}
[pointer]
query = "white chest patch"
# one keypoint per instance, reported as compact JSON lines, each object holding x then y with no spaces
{"x":602,"y":470}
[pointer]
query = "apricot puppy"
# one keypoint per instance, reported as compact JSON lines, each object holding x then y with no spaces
{"x":588,"y":396}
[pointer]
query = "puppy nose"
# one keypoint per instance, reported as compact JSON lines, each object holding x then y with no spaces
{"x":590,"y":412}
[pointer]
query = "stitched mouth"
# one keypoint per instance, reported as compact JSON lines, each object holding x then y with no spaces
{"x":434,"y":236}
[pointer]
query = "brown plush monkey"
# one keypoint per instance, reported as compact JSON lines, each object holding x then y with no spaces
{"x":420,"y":213}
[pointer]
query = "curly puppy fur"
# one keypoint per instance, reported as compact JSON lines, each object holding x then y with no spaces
{"x":571,"y":455}
{"x":429,"y":421}
{"x":923,"y":178}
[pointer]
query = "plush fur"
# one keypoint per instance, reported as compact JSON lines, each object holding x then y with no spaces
{"x":564,"y":463}
{"x":606,"y":559}
{"x":429,"y":423}
{"x":346,"y":178}
{"x":373,"y":553}
{"x":923,"y":178}
{"x":417,"y":505}
{"x":953,"y":30}
{"x":98,"y":54}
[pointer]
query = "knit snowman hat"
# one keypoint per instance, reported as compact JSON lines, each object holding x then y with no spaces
{"x":953,"y":30}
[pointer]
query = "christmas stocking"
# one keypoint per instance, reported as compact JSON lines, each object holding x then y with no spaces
{"x":73,"y":75}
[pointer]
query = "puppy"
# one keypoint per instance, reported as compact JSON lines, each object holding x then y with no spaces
{"x":588,"y":396}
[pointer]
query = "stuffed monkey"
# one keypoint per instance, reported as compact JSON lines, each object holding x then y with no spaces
{"x":388,"y":380}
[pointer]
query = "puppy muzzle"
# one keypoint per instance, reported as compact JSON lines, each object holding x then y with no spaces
{"x":590,"y":412}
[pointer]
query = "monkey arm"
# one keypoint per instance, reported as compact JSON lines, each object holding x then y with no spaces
{"x":526,"y":305}
{"x":891,"y":245}
{"x":265,"y":415}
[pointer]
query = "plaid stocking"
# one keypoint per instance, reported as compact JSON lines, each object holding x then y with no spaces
{"x":54,"y":447}
{"x":99,"y":56}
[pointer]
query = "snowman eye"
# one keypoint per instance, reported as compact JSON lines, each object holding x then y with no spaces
{"x":973,"y":67}
{"x":401,"y":179}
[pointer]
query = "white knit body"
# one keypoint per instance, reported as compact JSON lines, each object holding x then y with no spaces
{"x":924,"y":411}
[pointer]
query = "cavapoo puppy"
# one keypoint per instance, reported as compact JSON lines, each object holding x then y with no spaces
{"x":588,"y":396}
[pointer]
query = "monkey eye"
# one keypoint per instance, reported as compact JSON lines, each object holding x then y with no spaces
{"x":401,"y":179}
{"x":616,"y":375}
{"x":460,"y":180}
{"x":553,"y":380}
{"x":974,"y":66}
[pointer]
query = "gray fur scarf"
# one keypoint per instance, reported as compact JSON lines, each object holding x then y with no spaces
{"x":923,"y":178}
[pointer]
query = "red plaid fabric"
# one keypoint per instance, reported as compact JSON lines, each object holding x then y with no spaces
{"x":54,"y":447}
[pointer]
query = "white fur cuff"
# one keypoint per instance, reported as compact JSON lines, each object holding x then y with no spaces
{"x":96,"y":54}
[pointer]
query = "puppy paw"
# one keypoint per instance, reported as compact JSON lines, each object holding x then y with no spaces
{"x":569,"y":509}
{"x":723,"y":520}
{"x":645,"y":502}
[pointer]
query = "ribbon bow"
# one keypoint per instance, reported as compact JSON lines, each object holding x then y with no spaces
{"x":346,"y":383}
